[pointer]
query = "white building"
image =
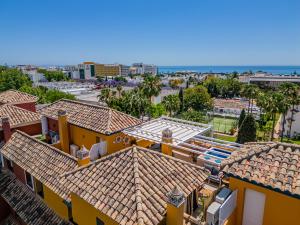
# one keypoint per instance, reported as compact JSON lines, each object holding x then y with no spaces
{"x":292,"y":124}
{"x":141,"y":68}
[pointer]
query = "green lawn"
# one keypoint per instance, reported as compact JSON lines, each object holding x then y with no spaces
{"x":223,"y":125}
{"x":225,"y":138}
{"x":291,"y":141}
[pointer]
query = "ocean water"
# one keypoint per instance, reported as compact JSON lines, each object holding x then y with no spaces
{"x":228,"y":69}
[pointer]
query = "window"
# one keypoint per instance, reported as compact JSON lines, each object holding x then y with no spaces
{"x":99,"y":222}
{"x":29,"y":180}
{"x":1,"y":160}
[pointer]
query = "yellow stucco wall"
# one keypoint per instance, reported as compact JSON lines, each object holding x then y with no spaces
{"x":80,"y":136}
{"x":279,"y":209}
{"x":56,"y":203}
{"x":144,"y":143}
{"x":86,"y":214}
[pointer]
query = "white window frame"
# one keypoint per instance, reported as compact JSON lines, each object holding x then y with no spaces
{"x":32,"y":180}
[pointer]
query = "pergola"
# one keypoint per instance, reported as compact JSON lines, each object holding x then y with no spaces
{"x":182,"y":130}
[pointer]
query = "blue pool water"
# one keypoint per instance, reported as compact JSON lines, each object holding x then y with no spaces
{"x":217,"y":155}
{"x":222,"y":151}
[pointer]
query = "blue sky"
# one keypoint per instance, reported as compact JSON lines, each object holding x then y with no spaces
{"x":199,"y":32}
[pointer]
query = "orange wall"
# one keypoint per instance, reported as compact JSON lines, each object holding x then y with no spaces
{"x":280,"y":209}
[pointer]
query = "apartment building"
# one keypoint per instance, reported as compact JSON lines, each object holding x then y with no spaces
{"x":141,"y":68}
{"x":69,"y":125}
{"x":108,"y":70}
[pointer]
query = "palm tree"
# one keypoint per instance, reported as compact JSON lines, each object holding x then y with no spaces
{"x":171,"y":103}
{"x":151,"y":86}
{"x":250,"y":91}
{"x":119,"y":89}
{"x":104,"y":95}
{"x":294,"y":101}
{"x":275,"y":104}
{"x":289,"y":90}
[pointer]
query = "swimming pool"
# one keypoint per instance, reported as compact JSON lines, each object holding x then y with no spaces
{"x":221,"y":150}
{"x":217,"y":155}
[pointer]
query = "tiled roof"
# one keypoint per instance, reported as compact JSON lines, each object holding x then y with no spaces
{"x":27,"y":206}
{"x":14,"y":97}
{"x":93,"y":117}
{"x":273,"y":165}
{"x":10,"y":220}
{"x":130,"y":186}
{"x":18,"y":116}
{"x":41,"y":160}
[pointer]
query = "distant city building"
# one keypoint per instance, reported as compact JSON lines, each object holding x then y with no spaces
{"x":124,"y":70}
{"x":140,"y":68}
{"x":269,"y":80}
{"x":32,"y":72}
{"x":86,"y":71}
{"x":108,"y":69}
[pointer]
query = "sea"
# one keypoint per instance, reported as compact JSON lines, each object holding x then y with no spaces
{"x":275,"y":70}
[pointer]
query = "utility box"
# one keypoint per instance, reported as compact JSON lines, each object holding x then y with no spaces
{"x":212,"y":213}
{"x":223,"y":195}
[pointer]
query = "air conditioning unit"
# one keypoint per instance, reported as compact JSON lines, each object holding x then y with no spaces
{"x":223,"y":195}
{"x":74,"y":149}
{"x":212,"y":213}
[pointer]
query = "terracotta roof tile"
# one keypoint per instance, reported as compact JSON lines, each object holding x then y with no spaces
{"x":274,"y":165}
{"x":130,"y":186}
{"x":93,"y":117}
{"x":15,"y":97}
{"x":28,"y":207}
{"x":41,"y":160}
{"x":18,"y":116}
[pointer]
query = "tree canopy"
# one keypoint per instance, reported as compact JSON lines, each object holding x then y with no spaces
{"x":197,"y":98}
{"x":13,"y":79}
{"x":53,"y":75}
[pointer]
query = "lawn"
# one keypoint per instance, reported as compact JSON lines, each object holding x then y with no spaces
{"x":225,"y":137}
{"x":223,"y":125}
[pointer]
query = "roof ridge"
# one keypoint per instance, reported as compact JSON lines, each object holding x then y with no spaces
{"x":137,"y":186}
{"x":19,"y":108}
{"x":107,"y":157}
{"x":109,"y":120}
{"x":47,"y":145}
{"x":21,"y":92}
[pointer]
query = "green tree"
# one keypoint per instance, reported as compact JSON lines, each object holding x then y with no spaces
{"x":197,"y":98}
{"x":289,"y":90}
{"x":274,"y":105}
{"x":53,"y":95}
{"x":180,"y":96}
{"x":53,"y":75}
{"x":250,"y":91}
{"x":171,"y":104}
{"x":247,"y":131}
{"x":194,"y":116}
{"x":13,"y":79}
{"x":119,"y":89}
{"x":242,"y":118}
{"x":151,"y":86}
{"x":104,"y":95}
{"x":156,"y":110}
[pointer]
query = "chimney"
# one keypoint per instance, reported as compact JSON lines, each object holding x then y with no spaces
{"x":6,"y":128}
{"x":166,"y":140}
{"x":83,"y":156}
{"x":63,"y":131}
{"x":175,"y":207}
